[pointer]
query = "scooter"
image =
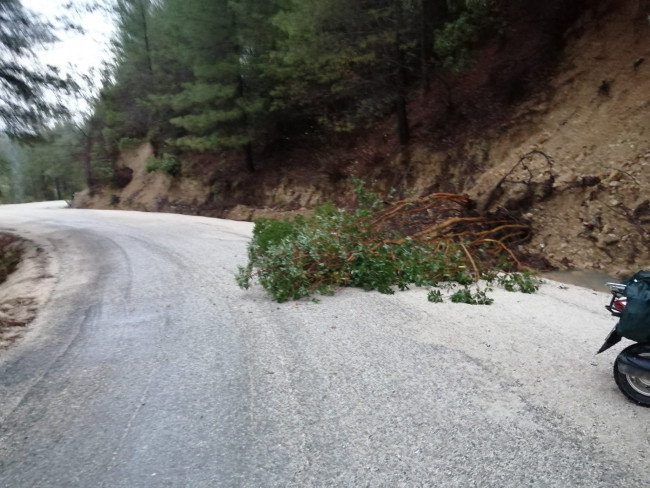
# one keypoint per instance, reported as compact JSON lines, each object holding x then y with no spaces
{"x":632,"y":365}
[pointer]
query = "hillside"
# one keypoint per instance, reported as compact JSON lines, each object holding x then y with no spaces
{"x":592,"y":120}
{"x":584,"y":117}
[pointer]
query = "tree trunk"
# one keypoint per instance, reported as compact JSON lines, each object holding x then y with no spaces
{"x":87,"y":162}
{"x":433,"y":16}
{"x":248,"y":155}
{"x":145,"y":38}
{"x":57,"y":189}
{"x":402,"y":120}
{"x":401,"y":106}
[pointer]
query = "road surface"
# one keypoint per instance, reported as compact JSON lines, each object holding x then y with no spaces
{"x":148,"y":367}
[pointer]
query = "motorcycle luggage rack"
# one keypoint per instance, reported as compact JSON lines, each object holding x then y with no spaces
{"x":617,"y":290}
{"x":616,"y":287}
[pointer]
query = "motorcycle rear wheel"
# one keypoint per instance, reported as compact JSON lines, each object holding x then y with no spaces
{"x":635,"y":388}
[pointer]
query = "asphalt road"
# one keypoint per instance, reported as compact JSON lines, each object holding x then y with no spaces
{"x":148,"y":367}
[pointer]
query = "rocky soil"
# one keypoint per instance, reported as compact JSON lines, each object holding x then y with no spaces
{"x":591,"y":208}
{"x":26,"y":288}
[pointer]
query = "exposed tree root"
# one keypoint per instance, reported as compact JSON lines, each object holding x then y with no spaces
{"x":451,"y":221}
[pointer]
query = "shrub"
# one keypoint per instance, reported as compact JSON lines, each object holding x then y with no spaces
{"x":435,"y":296}
{"x":336,"y":248}
{"x":465,"y":295}
{"x":153,"y":164}
{"x":128,"y":143}
{"x":455,"y":42}
{"x":168,"y":164}
{"x":524,"y":282}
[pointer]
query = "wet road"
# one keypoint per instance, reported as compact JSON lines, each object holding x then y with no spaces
{"x":149,"y":367}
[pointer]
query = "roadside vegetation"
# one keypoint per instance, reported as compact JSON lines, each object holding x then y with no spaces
{"x":243,"y":81}
{"x":435,"y":241}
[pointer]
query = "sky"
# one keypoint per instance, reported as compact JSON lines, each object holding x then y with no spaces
{"x":76,"y":53}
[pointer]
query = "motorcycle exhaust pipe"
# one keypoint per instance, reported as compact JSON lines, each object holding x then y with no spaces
{"x":634,"y":365}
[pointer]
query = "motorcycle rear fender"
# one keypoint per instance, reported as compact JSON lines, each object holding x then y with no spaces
{"x":613,"y":338}
{"x":629,"y":362}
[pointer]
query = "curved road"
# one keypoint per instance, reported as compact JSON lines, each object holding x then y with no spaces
{"x":148,"y":367}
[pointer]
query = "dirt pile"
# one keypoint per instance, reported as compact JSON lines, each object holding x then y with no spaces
{"x":590,"y":133}
{"x":146,"y":191}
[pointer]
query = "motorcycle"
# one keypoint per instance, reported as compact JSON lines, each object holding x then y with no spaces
{"x":632,"y":365}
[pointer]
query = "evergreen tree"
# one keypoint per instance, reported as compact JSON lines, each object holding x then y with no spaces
{"x":125,"y":93}
{"x":348,"y":62}
{"x":24,"y":106}
{"x":45,"y":170}
{"x":236,"y":75}
{"x":224,"y":106}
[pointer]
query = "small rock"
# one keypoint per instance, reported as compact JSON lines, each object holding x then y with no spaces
{"x":609,"y":239}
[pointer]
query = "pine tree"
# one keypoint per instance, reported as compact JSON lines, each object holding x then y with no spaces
{"x":126,"y":92}
{"x":348,"y":63}
{"x":224,"y":106}
{"x":24,"y":106}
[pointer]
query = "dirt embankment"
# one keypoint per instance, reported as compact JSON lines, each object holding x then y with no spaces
{"x":592,"y":120}
{"x":26,"y":288}
{"x":584,"y":184}
{"x":147,"y":191}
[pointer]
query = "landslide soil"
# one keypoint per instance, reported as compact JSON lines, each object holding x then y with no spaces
{"x":561,"y":139}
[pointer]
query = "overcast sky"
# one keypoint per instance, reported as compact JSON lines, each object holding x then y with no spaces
{"x":75,"y":53}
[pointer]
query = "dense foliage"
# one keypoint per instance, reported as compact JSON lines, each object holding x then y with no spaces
{"x":39,"y":151}
{"x":237,"y":76}
{"x":44,"y":171}
{"x":240,"y":79}
{"x":338,"y":248}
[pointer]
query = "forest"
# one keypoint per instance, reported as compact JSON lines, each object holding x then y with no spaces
{"x":241,"y":79}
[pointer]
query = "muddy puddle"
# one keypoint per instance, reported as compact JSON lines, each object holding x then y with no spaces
{"x":594,"y":280}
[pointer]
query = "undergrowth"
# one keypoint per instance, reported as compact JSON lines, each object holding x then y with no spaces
{"x":168,"y":164}
{"x":338,"y":248}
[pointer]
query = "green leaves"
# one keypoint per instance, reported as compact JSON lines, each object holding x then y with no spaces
{"x":29,"y":91}
{"x":455,"y":42}
{"x":465,"y":295}
{"x":41,"y":171}
{"x":348,"y":55}
{"x":337,"y":248}
{"x":168,"y":164}
{"x":524,"y":282}
{"x":215,"y":75}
